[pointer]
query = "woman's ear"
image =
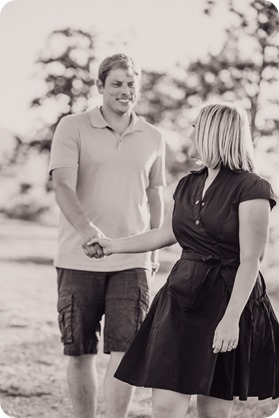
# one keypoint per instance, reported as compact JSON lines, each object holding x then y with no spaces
{"x":100,"y":86}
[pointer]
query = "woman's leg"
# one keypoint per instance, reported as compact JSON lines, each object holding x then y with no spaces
{"x":209,"y":407}
{"x":169,"y":404}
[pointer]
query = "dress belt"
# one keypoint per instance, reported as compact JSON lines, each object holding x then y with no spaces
{"x":214,"y":261}
{"x":215,"y":267}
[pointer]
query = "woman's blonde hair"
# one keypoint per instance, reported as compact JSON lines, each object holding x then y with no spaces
{"x":223,"y":137}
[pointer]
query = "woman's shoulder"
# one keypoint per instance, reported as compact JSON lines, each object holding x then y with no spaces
{"x":253,"y":186}
{"x":252,"y":179}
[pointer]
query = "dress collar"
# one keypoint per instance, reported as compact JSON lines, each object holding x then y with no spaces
{"x":222,"y":168}
{"x":200,"y":171}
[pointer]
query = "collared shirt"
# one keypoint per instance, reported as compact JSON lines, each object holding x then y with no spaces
{"x":113,"y":173}
{"x":209,"y":224}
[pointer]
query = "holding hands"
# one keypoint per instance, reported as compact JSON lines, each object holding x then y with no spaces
{"x":106,"y":244}
{"x":92,"y":249}
{"x":110,"y":246}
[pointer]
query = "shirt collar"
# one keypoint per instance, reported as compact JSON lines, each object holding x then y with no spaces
{"x":98,"y":121}
{"x":200,"y":171}
{"x":204,"y":169}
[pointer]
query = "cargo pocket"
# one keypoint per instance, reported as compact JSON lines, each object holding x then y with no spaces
{"x":65,"y":318}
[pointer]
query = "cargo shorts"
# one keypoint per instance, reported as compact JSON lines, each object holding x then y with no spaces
{"x":84,"y":297}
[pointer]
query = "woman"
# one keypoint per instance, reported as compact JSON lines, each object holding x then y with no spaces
{"x":211,"y":330}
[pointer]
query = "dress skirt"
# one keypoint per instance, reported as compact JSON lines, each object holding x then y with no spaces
{"x":173,"y":348}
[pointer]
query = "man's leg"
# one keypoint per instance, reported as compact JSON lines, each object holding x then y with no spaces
{"x":82,"y":384}
{"x":80,"y":306}
{"x":127,"y":299}
{"x":117,"y":394}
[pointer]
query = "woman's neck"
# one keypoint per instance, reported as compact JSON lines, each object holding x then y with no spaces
{"x":211,"y":175}
{"x":212,"y":172}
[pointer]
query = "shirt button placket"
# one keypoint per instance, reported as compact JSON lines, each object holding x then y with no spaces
{"x":197,"y":209}
{"x":120,"y":144}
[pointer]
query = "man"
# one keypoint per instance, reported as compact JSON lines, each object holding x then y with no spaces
{"x":107,"y":166}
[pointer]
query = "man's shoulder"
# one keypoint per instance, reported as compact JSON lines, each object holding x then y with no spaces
{"x":153,"y":130}
{"x":76,"y":118}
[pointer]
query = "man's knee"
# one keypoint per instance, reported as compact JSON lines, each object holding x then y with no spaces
{"x":116,"y":356}
{"x":115,"y":359}
{"x":81,"y":362}
{"x":272,"y":285}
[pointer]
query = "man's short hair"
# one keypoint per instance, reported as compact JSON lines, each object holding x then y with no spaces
{"x":114,"y":62}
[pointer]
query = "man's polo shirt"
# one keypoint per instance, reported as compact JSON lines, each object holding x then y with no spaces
{"x":113,"y":173}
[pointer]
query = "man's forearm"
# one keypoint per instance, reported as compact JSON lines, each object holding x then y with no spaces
{"x":156,"y":207}
{"x":71,"y":208}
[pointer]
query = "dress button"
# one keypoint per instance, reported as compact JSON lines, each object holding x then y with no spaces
{"x":197,"y":222}
{"x":203,"y":203}
{"x":197,"y":202}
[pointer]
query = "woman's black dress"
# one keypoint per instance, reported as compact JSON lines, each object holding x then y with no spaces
{"x":173,"y":348}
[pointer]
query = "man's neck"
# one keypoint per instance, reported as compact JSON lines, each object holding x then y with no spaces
{"x":118,"y":122}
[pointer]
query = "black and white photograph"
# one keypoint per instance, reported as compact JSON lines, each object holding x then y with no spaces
{"x":139,"y":209}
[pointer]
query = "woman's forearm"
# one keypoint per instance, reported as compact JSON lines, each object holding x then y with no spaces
{"x":148,"y":241}
{"x":244,"y":282}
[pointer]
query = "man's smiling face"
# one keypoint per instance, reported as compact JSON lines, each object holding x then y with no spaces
{"x":120,"y":91}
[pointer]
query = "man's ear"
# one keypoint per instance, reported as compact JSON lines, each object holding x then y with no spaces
{"x":100,"y":86}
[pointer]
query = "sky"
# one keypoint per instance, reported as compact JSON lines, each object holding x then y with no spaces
{"x":158,"y":33}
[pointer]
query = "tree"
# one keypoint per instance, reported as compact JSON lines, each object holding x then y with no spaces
{"x":168,"y":100}
{"x":65,"y":65}
{"x":246,"y":69}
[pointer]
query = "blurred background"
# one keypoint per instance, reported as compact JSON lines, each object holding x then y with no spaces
{"x":189,"y":52}
{"x":206,"y":51}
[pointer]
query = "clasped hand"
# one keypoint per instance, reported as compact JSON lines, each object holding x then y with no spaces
{"x":99,"y":247}
{"x":90,"y":237}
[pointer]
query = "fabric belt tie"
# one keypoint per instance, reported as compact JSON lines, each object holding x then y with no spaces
{"x":222,"y":262}
{"x":215,"y":266}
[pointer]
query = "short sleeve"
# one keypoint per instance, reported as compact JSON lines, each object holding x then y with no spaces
{"x":157,"y":175}
{"x":64,"y":148}
{"x":255,"y":187}
{"x":178,"y":188}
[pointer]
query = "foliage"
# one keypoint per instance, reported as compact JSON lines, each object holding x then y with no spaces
{"x":65,"y":65}
{"x":251,"y":78}
{"x":170,"y":100}
{"x":233,"y":74}
{"x":28,"y":203}
{"x":230,"y":75}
